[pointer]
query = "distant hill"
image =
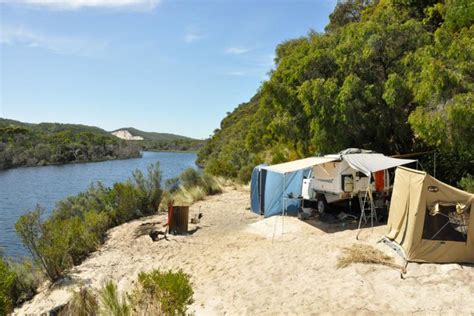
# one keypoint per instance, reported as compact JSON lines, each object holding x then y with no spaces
{"x":153,"y":136}
{"x":159,"y":141}
{"x":27,"y":144}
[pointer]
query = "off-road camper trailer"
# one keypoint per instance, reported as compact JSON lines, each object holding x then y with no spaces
{"x":351,"y":173}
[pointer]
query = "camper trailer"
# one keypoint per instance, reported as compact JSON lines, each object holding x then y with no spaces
{"x":317,"y":181}
{"x":337,"y":180}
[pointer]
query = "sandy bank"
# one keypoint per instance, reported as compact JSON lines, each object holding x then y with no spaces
{"x":238,"y":268}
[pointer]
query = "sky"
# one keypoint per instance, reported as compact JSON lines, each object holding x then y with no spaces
{"x":175,"y":66}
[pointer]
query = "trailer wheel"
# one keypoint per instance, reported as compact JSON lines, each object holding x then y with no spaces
{"x":322,"y":205}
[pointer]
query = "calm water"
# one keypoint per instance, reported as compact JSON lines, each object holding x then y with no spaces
{"x":21,"y":189}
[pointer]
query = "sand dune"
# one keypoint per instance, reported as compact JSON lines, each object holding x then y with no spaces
{"x":242,"y":264}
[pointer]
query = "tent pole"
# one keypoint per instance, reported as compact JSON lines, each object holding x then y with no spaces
{"x":283,"y":205}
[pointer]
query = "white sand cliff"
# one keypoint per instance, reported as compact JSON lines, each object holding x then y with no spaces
{"x":124,"y":134}
{"x":238,"y":268}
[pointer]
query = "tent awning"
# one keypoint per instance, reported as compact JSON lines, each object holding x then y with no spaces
{"x":368,"y":163}
{"x":295,"y":165}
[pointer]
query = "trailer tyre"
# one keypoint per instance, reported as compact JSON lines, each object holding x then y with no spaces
{"x":322,"y":205}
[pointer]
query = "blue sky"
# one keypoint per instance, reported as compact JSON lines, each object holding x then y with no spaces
{"x":157,"y":65}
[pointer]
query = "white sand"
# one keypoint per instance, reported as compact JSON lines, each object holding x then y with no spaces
{"x":239,"y":267}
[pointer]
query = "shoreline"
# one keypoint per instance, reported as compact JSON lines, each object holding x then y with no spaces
{"x":101,"y":160}
{"x":241,"y":263}
{"x":72,"y":163}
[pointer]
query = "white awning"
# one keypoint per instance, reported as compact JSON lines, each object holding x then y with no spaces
{"x":299,"y":164}
{"x":367,"y":163}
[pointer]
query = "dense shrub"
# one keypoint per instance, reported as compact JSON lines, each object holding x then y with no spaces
{"x":158,"y":292}
{"x":190,"y":178}
{"x":28,"y":278}
{"x":78,"y":224}
{"x":155,"y":293}
{"x":18,"y":283}
{"x":467,"y":183}
{"x":7,"y":282}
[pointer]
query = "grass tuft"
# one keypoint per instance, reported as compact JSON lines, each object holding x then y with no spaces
{"x":360,"y":253}
{"x":82,"y":303}
{"x":111,"y":302}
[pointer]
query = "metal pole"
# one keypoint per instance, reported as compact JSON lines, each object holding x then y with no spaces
{"x":283,"y":205}
{"x":434,"y":164}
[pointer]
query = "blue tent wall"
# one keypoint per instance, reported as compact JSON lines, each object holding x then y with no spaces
{"x":257,"y":187}
{"x":279,"y":185}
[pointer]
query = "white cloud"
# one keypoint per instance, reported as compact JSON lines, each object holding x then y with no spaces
{"x":193,"y":35}
{"x":236,"y":50}
{"x":146,"y":5}
{"x":20,"y":36}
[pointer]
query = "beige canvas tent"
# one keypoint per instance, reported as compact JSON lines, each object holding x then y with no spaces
{"x":430,"y":220}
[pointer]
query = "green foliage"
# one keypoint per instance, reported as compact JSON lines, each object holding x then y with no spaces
{"x":190,"y":186}
{"x":394,"y":76}
{"x":79,"y":223}
{"x":7,"y":281}
{"x":24,"y":144}
{"x":190,"y":178}
{"x":163,"y":293}
{"x":112,"y":304}
{"x":17,"y":283}
{"x":467,"y":183}
{"x":346,"y":12}
{"x":28,"y":278}
{"x":459,"y":14}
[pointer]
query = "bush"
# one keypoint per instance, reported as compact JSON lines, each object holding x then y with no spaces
{"x":148,"y":189}
{"x":189,"y":187}
{"x":158,"y":292}
{"x":467,"y":183}
{"x":7,"y":283}
{"x":28,"y":279}
{"x":17,"y":283}
{"x":78,"y":225}
{"x":111,"y":303}
{"x":172,"y":184}
{"x":190,"y":178}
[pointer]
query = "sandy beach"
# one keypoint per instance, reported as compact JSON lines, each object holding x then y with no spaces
{"x":242,"y":264}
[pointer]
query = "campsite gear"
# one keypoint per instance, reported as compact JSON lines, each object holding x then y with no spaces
{"x":178,"y":220}
{"x":429,"y":220}
{"x":155,"y":235}
{"x":366,"y":205}
{"x":196,"y":219}
{"x":379,"y":178}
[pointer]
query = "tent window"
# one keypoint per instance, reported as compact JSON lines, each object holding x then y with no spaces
{"x":446,"y":221}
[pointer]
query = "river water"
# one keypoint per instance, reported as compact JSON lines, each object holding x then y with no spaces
{"x":22,"y":189}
